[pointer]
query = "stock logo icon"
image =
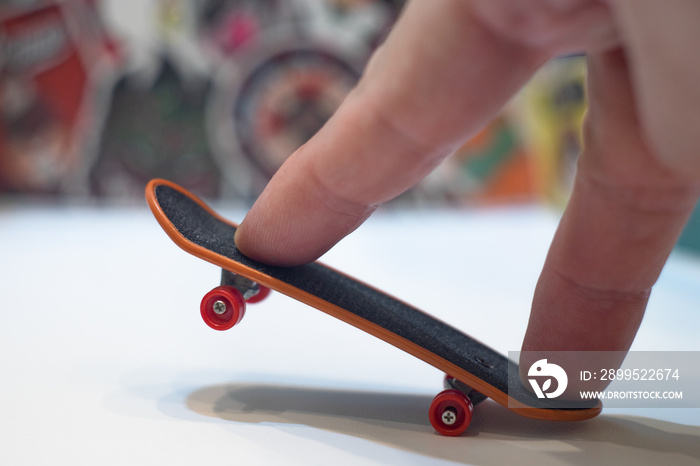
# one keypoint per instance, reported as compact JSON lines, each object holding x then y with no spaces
{"x":546,"y":372}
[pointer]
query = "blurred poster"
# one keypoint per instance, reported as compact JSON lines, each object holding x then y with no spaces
{"x":46,"y":93}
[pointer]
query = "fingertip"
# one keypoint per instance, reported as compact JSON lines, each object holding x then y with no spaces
{"x":256,"y":245}
{"x":251,"y":242}
{"x":278,"y":243}
{"x":239,"y":239}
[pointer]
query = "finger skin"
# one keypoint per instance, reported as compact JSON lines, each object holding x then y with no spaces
{"x":420,"y":97}
{"x":423,"y":94}
{"x":624,"y":216}
{"x":561,"y":26}
{"x":661,"y":39}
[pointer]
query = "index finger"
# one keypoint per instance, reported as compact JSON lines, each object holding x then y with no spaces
{"x":439,"y":77}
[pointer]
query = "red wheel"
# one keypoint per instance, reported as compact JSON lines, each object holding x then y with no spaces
{"x":451,"y":412}
{"x":263,"y":293}
{"x":222,"y":308}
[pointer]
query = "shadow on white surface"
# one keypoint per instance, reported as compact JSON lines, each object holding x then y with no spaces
{"x":496,"y":436}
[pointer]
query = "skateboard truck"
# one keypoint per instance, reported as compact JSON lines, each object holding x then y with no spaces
{"x":224,"y":306}
{"x":251,"y":291}
{"x":451,"y":383}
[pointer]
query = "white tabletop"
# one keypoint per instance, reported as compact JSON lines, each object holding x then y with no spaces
{"x":104,"y":358}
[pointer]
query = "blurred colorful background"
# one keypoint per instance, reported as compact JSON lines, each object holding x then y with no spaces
{"x":98,"y":97}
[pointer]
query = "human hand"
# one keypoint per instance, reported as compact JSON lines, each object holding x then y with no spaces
{"x":445,"y":71}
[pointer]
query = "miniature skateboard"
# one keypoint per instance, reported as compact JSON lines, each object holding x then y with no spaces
{"x":475,"y":370}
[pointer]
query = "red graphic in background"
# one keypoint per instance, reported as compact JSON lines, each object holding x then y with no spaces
{"x":44,"y":93}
